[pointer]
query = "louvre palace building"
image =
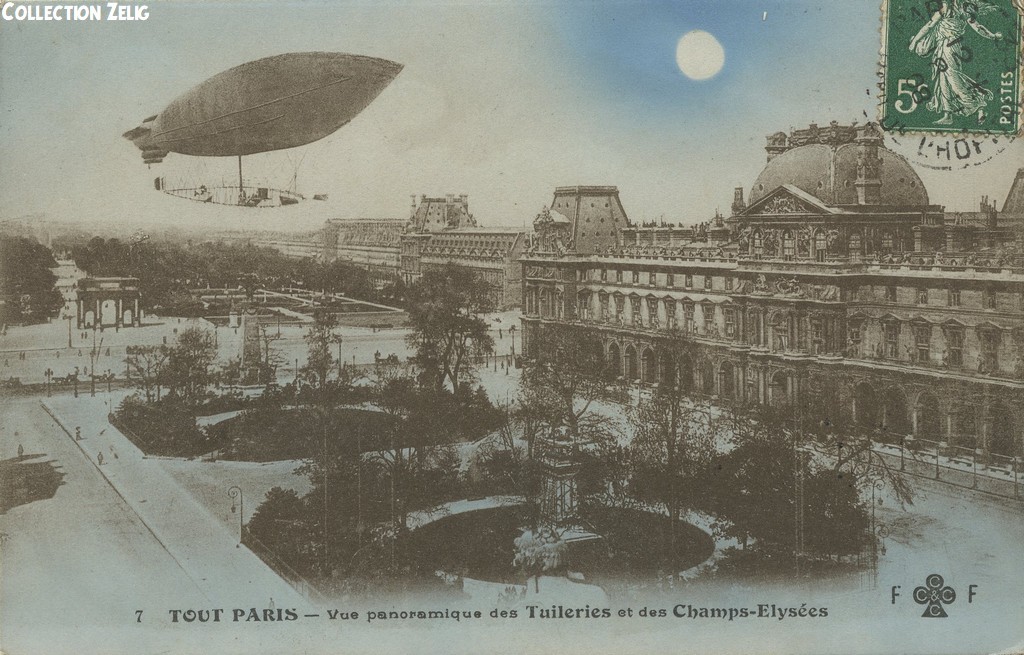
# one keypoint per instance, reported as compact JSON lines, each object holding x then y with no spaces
{"x":439,"y":230}
{"x":834,"y":272}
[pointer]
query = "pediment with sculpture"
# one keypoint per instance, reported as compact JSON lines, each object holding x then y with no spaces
{"x":785,"y":200}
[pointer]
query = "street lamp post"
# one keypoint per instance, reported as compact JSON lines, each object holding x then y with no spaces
{"x":92,"y":362}
{"x":876,"y":530}
{"x":234,"y":491}
{"x":338,"y":340}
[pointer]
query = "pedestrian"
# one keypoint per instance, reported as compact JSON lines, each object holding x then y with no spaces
{"x":78,"y":433}
{"x":21,"y":451}
{"x":500,"y":335}
{"x":99,"y":458}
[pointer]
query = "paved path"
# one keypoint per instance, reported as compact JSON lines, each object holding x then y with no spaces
{"x":81,"y":560}
{"x":198,"y":541}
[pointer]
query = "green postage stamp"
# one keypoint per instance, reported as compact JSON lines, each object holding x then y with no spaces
{"x":951,"y":66}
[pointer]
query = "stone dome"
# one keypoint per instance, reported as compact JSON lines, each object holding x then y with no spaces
{"x":829,"y":173}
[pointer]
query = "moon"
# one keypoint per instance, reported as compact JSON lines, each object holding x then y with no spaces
{"x":699,"y":55}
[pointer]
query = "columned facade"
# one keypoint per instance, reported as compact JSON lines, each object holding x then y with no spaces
{"x":107,"y":302}
{"x":837,"y":291}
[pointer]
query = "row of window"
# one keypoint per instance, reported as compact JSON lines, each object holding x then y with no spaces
{"x":953,"y":297}
{"x":921,"y":349}
{"x":651,"y":279}
{"x":923,"y":295}
{"x":613,"y":309}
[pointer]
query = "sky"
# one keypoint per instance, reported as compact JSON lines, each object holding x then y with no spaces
{"x":501,"y":101}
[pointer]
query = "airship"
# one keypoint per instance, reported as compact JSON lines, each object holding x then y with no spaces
{"x":280,"y":102}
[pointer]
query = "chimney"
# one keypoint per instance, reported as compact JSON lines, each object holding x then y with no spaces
{"x":412,"y":206}
{"x":777,"y":144}
{"x":738,"y":204}
{"x":869,"y":166}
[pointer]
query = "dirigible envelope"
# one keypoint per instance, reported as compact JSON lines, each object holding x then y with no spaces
{"x":273,"y":103}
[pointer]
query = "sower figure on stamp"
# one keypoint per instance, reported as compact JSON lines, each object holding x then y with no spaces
{"x":942,"y":39}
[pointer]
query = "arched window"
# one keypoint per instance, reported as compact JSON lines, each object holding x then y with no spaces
{"x":670,"y":314}
{"x":545,"y":303}
{"x":788,"y":246}
{"x":854,"y":246}
{"x":820,"y":246}
{"x":754,"y":327}
{"x":631,"y":364}
{"x":726,"y":380}
{"x":614,"y":359}
{"x":648,"y":366}
{"x":583,"y":312}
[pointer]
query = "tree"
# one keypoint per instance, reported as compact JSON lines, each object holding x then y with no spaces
{"x":420,"y":463}
{"x":499,"y":461}
{"x":673,"y":444}
{"x":145,"y":368}
{"x":784,"y":495}
{"x":338,"y":502}
{"x":281,"y":523}
{"x":27,"y":291}
{"x":447,"y":327}
{"x":848,"y":446}
{"x":562,"y":384}
{"x":319,"y":338}
{"x":261,"y":360}
{"x":538,"y":552}
{"x":188,"y":368}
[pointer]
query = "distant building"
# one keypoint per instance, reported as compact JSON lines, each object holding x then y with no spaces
{"x":442,"y":231}
{"x":439,"y":230}
{"x":836,"y":276}
{"x":370,"y":243}
{"x":301,"y":245}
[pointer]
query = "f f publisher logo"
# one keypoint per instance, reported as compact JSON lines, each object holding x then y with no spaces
{"x":934,"y":595}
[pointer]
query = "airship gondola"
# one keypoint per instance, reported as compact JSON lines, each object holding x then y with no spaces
{"x":275,"y":103}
